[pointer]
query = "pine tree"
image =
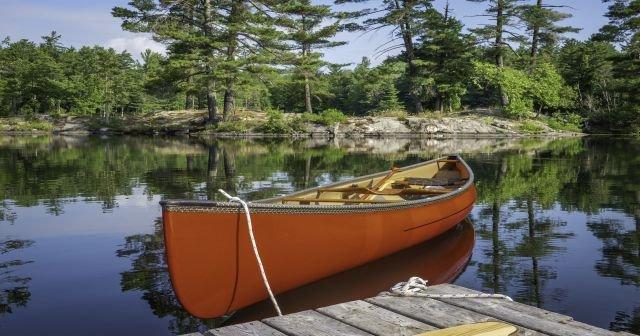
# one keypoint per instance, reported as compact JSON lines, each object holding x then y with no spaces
{"x":187,"y":27}
{"x":220,"y":38}
{"x":541,"y":24}
{"x":505,"y":14}
{"x":624,"y":29}
{"x":446,"y":55}
{"x":405,"y":18}
{"x":309,"y":28}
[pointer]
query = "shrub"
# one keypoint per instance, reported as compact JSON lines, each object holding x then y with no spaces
{"x":296,"y":124}
{"x":275,"y":123}
{"x":397,"y":113}
{"x":230,"y":127}
{"x":568,"y":122}
{"x":530,"y":127}
{"x":327,"y":117}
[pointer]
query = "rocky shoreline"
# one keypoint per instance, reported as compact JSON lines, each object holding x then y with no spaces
{"x":194,"y":123}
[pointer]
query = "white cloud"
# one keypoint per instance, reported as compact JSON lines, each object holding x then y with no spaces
{"x":135,"y":45}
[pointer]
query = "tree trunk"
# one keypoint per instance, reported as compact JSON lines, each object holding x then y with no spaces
{"x":307,"y":95}
{"x":412,"y":70}
{"x":307,"y":172}
{"x":495,"y":243}
{"x":212,"y":102}
{"x":14,"y":106}
{"x":189,"y":159}
{"x":212,"y":171}
{"x":535,"y":272}
{"x":229,"y":170}
{"x":535,"y":40}
{"x":504,"y":100}
{"x":232,"y":45}
{"x":229,"y":98}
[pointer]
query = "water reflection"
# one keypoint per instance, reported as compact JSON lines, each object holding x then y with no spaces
{"x":14,"y":289}
{"x":149,"y":275}
{"x":557,"y":220}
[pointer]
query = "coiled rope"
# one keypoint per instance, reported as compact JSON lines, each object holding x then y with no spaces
{"x":416,"y":287}
{"x":254,"y":246}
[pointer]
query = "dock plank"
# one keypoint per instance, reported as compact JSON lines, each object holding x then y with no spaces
{"x":246,"y":329}
{"x":437,"y":313}
{"x":374,"y":319}
{"x":312,"y":323}
{"x":520,"y":314}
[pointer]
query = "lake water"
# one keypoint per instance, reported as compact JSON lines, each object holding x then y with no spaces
{"x":557,"y":225}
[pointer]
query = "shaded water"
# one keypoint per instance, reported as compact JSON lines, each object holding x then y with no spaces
{"x":557,"y":225}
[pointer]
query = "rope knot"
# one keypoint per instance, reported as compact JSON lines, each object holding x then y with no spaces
{"x":417,"y":287}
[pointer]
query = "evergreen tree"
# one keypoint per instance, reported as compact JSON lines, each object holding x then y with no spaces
{"x":308,"y":29}
{"x":405,"y":17}
{"x":446,"y":57}
{"x":588,"y":67}
{"x":191,"y":30}
{"x":624,"y":29}
{"x":541,"y":25}
{"x":505,"y":14}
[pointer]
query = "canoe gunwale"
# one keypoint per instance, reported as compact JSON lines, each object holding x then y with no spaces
{"x":267,"y":205}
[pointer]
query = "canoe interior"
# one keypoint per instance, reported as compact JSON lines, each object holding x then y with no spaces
{"x":425,"y":180}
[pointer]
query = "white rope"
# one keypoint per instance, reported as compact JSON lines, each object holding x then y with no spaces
{"x":255,"y":247}
{"x":416,"y":286}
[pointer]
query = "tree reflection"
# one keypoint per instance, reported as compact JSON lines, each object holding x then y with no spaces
{"x":626,"y":322}
{"x":149,"y":274}
{"x":520,"y":182}
{"x":538,"y":241}
{"x":620,"y":250}
{"x":14,"y":289}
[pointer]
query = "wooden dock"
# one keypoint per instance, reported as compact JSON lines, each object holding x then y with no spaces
{"x":394,"y":315}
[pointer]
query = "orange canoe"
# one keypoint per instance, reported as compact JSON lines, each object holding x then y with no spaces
{"x":439,"y":260}
{"x":308,"y":235}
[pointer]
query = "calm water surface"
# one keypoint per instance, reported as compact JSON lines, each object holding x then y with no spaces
{"x":557,"y":225}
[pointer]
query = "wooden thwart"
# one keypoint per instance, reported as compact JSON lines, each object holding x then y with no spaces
{"x":303,"y":200}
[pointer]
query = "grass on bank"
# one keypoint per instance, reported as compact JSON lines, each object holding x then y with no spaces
{"x":18,"y":124}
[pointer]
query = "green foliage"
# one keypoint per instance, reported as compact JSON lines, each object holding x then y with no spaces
{"x":308,"y":28}
{"x":21,"y":125}
{"x":530,"y":127}
{"x":51,"y":79}
{"x":515,"y":84}
{"x":400,"y":114}
{"x":275,"y":123}
{"x":230,"y":127}
{"x":327,"y":117}
{"x":544,"y":88}
{"x":445,"y":61}
{"x":566,"y":122}
{"x":332,"y":116}
{"x":263,"y":54}
{"x":549,"y":90}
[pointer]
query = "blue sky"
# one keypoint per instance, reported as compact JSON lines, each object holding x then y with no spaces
{"x":90,"y":22}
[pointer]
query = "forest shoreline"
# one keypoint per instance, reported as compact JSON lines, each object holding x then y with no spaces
{"x":476,"y":123}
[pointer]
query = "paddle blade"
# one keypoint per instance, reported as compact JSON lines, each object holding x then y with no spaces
{"x":475,"y":329}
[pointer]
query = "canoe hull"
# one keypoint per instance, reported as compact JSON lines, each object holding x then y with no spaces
{"x":214,"y":271}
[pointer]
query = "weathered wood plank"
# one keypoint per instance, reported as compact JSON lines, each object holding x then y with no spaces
{"x":519,"y":314}
{"x":312,"y":323}
{"x":374,"y":319}
{"x":246,"y":329}
{"x":531,"y":310}
{"x":437,"y":313}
